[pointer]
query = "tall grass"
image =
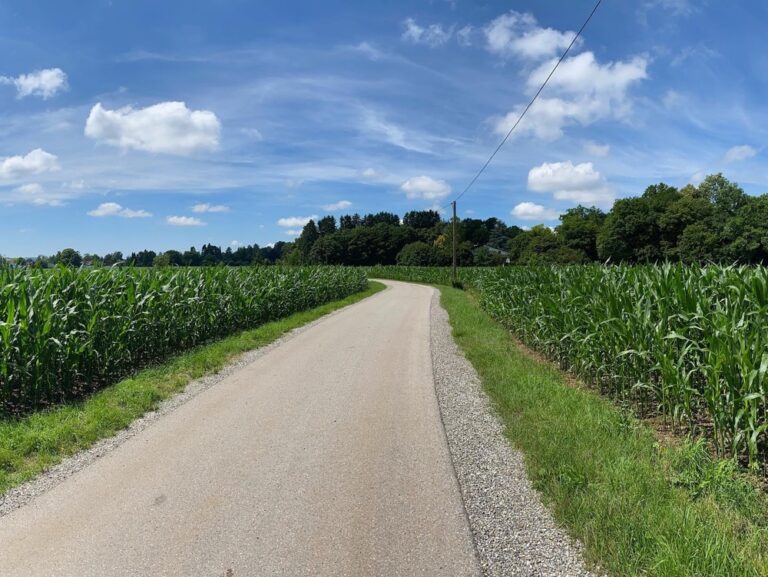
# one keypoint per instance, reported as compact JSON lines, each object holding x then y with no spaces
{"x":65,"y":333}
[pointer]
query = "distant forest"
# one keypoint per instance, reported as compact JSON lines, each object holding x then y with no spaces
{"x":715,"y":221}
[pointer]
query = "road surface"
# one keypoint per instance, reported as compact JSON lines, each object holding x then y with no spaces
{"x":325,"y":456}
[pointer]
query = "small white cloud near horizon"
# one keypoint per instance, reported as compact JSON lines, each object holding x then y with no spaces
{"x":533,"y":211}
{"x":341,"y":205}
{"x":294,"y":221}
{"x":205,"y":207}
{"x":43,"y":83}
{"x":433,"y":35}
{"x":739,"y":153}
{"x":184,"y":221}
{"x":114,"y":209}
{"x":579,"y":183}
{"x":34,"y":162}
{"x":425,"y":187}
{"x":596,"y":149}
{"x":166,"y":128}
{"x":235,"y":243}
{"x":293,"y":232}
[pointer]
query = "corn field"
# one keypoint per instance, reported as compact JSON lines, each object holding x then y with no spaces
{"x":65,"y":333}
{"x":688,"y":344}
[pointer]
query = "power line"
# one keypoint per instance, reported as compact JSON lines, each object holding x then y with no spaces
{"x":525,"y":111}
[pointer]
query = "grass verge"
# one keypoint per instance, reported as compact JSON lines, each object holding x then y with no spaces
{"x":639,"y":507}
{"x":31,"y":444}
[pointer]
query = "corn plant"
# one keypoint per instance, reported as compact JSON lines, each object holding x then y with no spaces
{"x":65,"y":333}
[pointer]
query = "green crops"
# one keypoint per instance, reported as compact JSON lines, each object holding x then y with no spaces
{"x":689,"y":343}
{"x":65,"y":333}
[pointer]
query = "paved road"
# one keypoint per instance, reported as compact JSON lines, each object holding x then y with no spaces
{"x":326,"y":456}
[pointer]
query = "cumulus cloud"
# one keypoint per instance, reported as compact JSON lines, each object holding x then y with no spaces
{"x":433,"y":35}
{"x":584,"y":92}
{"x":596,"y":149}
{"x":293,"y":232}
{"x":425,"y":187}
{"x":205,"y":207}
{"x":739,"y":153}
{"x":35,"y":162}
{"x":294,"y":221}
{"x":533,"y":211}
{"x":577,"y":183}
{"x":43,"y":83}
{"x":519,"y":35}
{"x":184,"y":221}
{"x":341,"y":205}
{"x":167,"y":127}
{"x":34,"y":193}
{"x":114,"y":209}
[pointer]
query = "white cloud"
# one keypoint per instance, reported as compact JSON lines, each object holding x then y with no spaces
{"x":184,"y":221}
{"x":36,"y":162}
{"x":585,"y":92}
{"x":370,"y":174}
{"x":739,"y":153}
{"x":293,"y":232}
{"x":433,"y":35}
{"x":392,"y":133}
{"x":515,"y":34}
{"x":596,"y":149}
{"x":533,"y":211}
{"x":425,"y":187}
{"x":464,"y":36}
{"x":235,"y":243}
{"x":341,"y":205}
{"x":677,"y":7}
{"x":114,"y":209}
{"x":577,"y":183}
{"x":35,"y":193}
{"x":44,"y":83}
{"x":167,"y":127}
{"x":294,"y":221}
{"x":253,"y":134}
{"x":205,"y":207}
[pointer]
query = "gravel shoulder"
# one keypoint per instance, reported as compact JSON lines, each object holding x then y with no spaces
{"x":514,"y":533}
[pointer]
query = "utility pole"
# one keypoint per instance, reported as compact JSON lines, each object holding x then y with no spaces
{"x":453,"y":269}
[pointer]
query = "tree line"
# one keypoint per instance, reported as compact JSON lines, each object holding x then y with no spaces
{"x":715,"y":221}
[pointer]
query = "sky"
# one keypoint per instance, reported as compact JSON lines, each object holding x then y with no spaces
{"x":130,"y":124}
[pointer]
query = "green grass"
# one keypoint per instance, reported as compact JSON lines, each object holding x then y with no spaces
{"x":31,"y":444}
{"x":640,"y":507}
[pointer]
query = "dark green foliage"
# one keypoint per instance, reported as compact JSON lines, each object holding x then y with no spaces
{"x":422,"y":254}
{"x":422,"y":219}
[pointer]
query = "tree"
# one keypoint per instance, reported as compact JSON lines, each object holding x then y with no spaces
{"x":688,"y":210}
{"x":475,"y":231}
{"x":540,"y":246}
{"x":747,"y":232}
{"x":112,"y":258}
{"x":381,"y":218}
{"x":579,"y":228}
{"x":326,"y":225}
{"x":422,"y":219}
{"x":69,"y":257}
{"x":630,"y":232}
{"x":327,"y":250}
{"x":161,"y":260}
{"x":306,"y":240}
{"x":420,"y":253}
{"x":726,"y":196}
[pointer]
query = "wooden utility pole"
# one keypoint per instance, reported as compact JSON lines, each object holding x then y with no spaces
{"x":453,"y":269}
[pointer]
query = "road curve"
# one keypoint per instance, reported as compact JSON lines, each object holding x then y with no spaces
{"x":325,"y":456}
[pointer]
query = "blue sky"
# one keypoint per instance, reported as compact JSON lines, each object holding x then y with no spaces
{"x":133,"y":124}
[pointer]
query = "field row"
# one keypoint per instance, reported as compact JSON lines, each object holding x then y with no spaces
{"x":65,"y":333}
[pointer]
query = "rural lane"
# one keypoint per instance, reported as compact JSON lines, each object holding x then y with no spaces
{"x":325,"y":456}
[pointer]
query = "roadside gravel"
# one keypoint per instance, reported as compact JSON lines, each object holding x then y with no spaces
{"x":514,"y":533}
